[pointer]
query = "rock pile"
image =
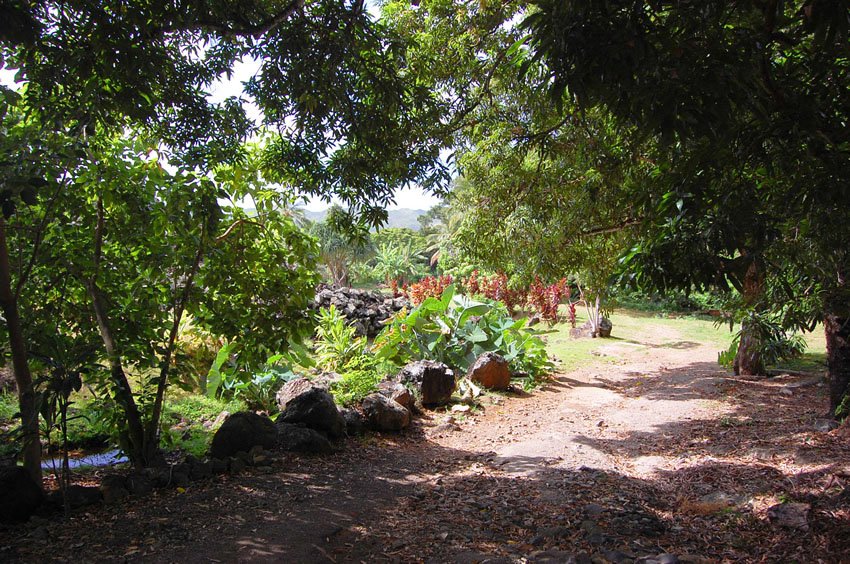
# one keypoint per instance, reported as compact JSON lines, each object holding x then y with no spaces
{"x":364,"y":309}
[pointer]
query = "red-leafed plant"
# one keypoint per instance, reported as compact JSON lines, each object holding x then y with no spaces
{"x":471,"y":284}
{"x":430,"y":286}
{"x":545,"y":300}
{"x":395,"y":288}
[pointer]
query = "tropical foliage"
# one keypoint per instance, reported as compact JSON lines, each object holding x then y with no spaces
{"x":456,"y":329}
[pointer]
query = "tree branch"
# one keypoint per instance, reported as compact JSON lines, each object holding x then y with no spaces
{"x":225,"y":30}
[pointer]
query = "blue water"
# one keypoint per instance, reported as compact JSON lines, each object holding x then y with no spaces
{"x":108,"y":458}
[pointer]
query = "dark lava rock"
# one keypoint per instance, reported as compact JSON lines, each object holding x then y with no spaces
{"x":139,"y":484}
{"x":297,"y":438}
{"x":790,"y":515}
{"x":301,"y":401}
{"x":218,"y":466}
{"x":824,"y":425}
{"x":113,"y":488}
{"x":433,"y":382}
{"x":240,"y":432}
{"x":20,"y":496}
{"x":201,"y":470}
{"x":384,"y":414}
{"x":76,"y":496}
{"x":355,"y":422}
{"x":397,"y":392}
{"x":366,"y":311}
{"x":237,"y":465}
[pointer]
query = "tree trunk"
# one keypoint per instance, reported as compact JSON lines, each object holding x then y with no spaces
{"x":23,"y":377}
{"x":120,"y":385}
{"x":837,"y":331}
{"x":152,"y":428}
{"x":748,"y":360}
{"x":836,"y":327}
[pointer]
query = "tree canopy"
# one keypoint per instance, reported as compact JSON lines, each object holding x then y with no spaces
{"x":749,"y":103}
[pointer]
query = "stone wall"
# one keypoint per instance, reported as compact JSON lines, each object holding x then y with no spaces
{"x":365,"y":309}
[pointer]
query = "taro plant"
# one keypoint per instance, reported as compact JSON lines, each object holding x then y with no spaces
{"x":258,"y":388}
{"x":235,"y":379}
{"x":456,"y":329}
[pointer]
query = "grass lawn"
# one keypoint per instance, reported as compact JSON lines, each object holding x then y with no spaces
{"x":630,"y":326}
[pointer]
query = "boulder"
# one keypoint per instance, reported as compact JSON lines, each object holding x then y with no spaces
{"x":583,"y":332}
{"x":200,"y":469}
{"x":790,"y":515}
{"x":297,"y":438}
{"x":160,"y":476}
{"x":587,"y":330}
{"x":404,"y":398}
{"x":355,"y":422}
{"x":240,"y":432}
{"x":113,"y":488}
{"x":20,"y":496}
{"x":76,"y":496}
{"x":605,"y":327}
{"x":385,"y":414}
{"x":397,"y":392}
{"x":140,"y":484}
{"x":301,"y":401}
{"x":433,"y":382}
{"x":218,"y":466}
{"x":491,"y":371}
{"x":179,"y":475}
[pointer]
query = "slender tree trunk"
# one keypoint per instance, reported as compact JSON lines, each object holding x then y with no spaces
{"x":152,"y":428}
{"x":836,"y":327}
{"x":120,"y":385}
{"x":748,"y":360}
{"x":121,"y":390}
{"x":23,"y":377}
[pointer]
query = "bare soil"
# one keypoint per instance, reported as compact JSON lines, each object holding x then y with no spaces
{"x":653,"y":449}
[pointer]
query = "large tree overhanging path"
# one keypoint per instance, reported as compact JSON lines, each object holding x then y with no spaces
{"x":651,"y":448}
{"x":748,"y":104}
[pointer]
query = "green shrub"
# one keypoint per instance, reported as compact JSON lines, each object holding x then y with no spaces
{"x":360,"y":377}
{"x":670,"y":301}
{"x":197,"y":408}
{"x":455,"y":329}
{"x":336,"y":342}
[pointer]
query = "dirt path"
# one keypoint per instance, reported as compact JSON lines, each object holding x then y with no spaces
{"x":652,"y":451}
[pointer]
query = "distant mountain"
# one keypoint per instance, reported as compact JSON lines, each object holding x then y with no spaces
{"x":403,"y":217}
